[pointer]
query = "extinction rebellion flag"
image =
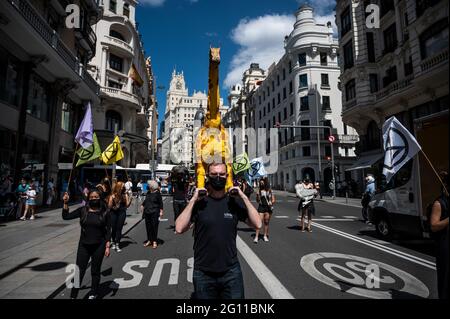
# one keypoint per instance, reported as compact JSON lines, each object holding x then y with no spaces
{"x":113,"y":152}
{"x":399,"y":147}
{"x":89,"y":154}
{"x":241,"y":163}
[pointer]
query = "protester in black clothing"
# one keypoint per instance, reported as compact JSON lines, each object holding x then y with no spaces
{"x":118,"y":203}
{"x":217,"y":272}
{"x":105,"y":189}
{"x":152,"y":210}
{"x":180,"y":189}
{"x":95,"y":222}
{"x":440,"y":229}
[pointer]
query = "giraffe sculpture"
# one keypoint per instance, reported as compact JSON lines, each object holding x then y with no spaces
{"x":212,"y":144}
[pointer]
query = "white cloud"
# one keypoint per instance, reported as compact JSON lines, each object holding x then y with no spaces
{"x":153,"y":3}
{"x":261,"y":41}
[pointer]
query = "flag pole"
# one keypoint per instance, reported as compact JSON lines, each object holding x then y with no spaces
{"x":73,"y":164}
{"x":434,"y":170}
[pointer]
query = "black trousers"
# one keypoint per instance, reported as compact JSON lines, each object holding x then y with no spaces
{"x":95,"y":252}
{"x":151,"y":224}
{"x":117,"y":220}
{"x":178,"y":207}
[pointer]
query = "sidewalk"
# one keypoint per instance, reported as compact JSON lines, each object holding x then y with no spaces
{"x":354,"y":202}
{"x":34,"y":254}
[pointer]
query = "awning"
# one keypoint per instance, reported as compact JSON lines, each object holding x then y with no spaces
{"x":365,"y":162}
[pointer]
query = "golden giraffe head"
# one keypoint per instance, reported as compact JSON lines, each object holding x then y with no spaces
{"x":214,"y":55}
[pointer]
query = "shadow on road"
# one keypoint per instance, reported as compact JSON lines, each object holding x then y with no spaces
{"x":49,"y":266}
{"x":17,"y":268}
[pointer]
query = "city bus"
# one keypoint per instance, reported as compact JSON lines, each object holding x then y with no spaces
{"x":399,"y":207}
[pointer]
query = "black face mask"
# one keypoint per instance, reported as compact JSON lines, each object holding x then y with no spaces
{"x":94,"y":203}
{"x":217,"y":183}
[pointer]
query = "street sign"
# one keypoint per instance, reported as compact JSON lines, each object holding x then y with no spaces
{"x":331,"y":138}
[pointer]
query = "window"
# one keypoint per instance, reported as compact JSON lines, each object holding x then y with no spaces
{"x":279,"y":98}
{"x":408,"y":67}
{"x":306,"y":151}
{"x":305,"y":134}
{"x":386,"y":6}
{"x":326,"y":103}
{"x":293,"y":153}
{"x":303,"y":80}
{"x":273,"y":120}
{"x":259,"y":114}
{"x":348,"y":55}
{"x":290,"y":67}
{"x":268,"y":106}
{"x":38,"y":98}
{"x":115,"y":62}
{"x":326,"y":131}
{"x":304,"y":103}
{"x":284,"y":74}
{"x":278,"y":80}
{"x":117,"y":35}
{"x":373,"y":136}
{"x":113,"y":6}
{"x":291,"y":111}
{"x":113,"y":118}
{"x":302,"y":59}
{"x":268,"y":124}
{"x":268,"y":91}
{"x":284,"y":94}
{"x":273,"y":86}
{"x":126,"y":10}
{"x":114,"y":84}
{"x":67,"y":117}
{"x":290,"y":87}
{"x":264,"y":111}
{"x":346,"y":21}
{"x":370,"y":47}
{"x":350,"y":90}
{"x":390,"y":39}
{"x":434,"y":39}
{"x":325,"y":80}
{"x":279,"y":117}
{"x":273,"y":103}
{"x":9,"y":79}
{"x":323,"y":58}
{"x":284,"y":113}
{"x":391,"y":76}
{"x":373,"y":79}
{"x":327,"y":150}
{"x":264,"y":95}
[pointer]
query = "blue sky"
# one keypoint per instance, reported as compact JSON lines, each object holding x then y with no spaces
{"x":178,"y":33}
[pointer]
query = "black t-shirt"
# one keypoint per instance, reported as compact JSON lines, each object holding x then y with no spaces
{"x":153,"y":203}
{"x":215,"y":232}
{"x":179,"y":190}
{"x":95,"y":226}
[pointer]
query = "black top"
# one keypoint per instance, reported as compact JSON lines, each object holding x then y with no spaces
{"x":441,"y":235}
{"x":215,"y":232}
{"x":153,"y":203}
{"x":179,"y":191}
{"x":95,"y":226}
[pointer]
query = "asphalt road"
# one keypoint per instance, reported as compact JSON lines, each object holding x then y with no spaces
{"x":341,"y":258}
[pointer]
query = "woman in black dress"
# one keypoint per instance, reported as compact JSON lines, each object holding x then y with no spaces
{"x":265,"y":199}
{"x":152,"y":208}
{"x":95,"y":222}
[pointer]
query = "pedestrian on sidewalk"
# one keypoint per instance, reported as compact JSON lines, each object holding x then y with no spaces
{"x":367,"y":196}
{"x":217,"y":272}
{"x":104,"y":189}
{"x":51,"y":191}
{"x":129,"y":187}
{"x":139,"y":189}
{"x":95,"y":221}
{"x":265,"y":199}
{"x":30,"y":204}
{"x":440,"y":233}
{"x":180,"y":190}
{"x":21,"y":192}
{"x":306,"y":192}
{"x":118,"y":203}
{"x":152,"y":209}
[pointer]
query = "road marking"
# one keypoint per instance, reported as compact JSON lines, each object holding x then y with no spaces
{"x":328,"y":216}
{"x":291,"y":201}
{"x":281,"y":216}
{"x":329,"y":219}
{"x":361,"y":282}
{"x":273,"y":286}
{"x":381,"y":242}
{"x":389,"y":250}
{"x":163,"y":220}
{"x":350,"y":217}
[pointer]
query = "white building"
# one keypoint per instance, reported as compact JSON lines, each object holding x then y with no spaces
{"x":126,"y":86}
{"x":177,"y":142}
{"x":399,"y":69}
{"x":303,"y":88}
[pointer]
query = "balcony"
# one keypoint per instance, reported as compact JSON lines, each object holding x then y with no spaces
{"x":433,"y":61}
{"x":394,"y":88}
{"x":49,"y":36}
{"x":131,"y":99}
{"x":87,"y":38}
{"x":117,"y":43}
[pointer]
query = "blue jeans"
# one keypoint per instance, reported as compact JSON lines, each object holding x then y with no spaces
{"x":225,"y":285}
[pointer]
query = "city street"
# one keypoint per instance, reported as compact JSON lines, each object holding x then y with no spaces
{"x":330,"y":262}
